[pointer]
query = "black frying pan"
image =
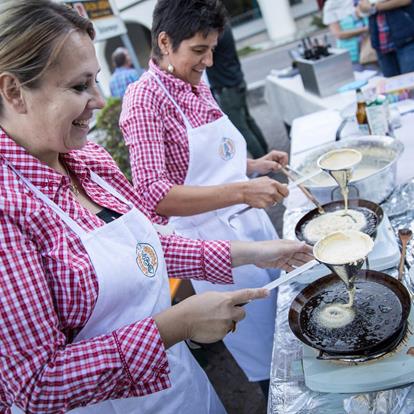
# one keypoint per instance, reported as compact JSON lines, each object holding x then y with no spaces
{"x":381,"y":305}
{"x":372,"y":212}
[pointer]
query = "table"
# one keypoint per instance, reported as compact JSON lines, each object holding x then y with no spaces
{"x":288,"y":393}
{"x":315,"y":129}
{"x":290,"y":100}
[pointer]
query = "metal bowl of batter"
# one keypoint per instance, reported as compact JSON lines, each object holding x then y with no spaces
{"x":374,"y":177}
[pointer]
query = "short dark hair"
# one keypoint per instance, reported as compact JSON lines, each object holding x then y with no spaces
{"x":182,"y":19}
{"x":119,"y":57}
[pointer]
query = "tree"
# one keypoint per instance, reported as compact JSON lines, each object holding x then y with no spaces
{"x":112,"y":140}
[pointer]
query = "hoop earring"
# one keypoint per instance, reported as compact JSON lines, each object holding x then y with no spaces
{"x":170,"y":68}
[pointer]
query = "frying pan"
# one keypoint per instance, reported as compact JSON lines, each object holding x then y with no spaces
{"x":373,"y":214}
{"x":381,"y":308}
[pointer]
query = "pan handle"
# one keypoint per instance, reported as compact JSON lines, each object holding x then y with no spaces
{"x":348,"y":358}
{"x":339,"y":130}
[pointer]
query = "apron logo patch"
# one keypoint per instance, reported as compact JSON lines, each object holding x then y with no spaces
{"x":227,"y":149}
{"x":147,"y":259}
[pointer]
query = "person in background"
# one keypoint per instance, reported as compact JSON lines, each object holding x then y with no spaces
{"x":346,"y":25}
{"x":391,"y":25}
{"x":229,"y":88}
{"x":189,"y":162}
{"x":124,"y":72}
{"x":87,"y":324}
{"x":321,"y":3}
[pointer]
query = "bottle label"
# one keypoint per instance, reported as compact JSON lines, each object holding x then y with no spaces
{"x":378,"y":119}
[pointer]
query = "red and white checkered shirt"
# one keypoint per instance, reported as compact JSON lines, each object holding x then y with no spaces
{"x":156,"y":134}
{"x":48,"y":289}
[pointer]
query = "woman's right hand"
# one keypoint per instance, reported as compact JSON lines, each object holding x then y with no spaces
{"x":210,"y":315}
{"x":263,"y":192}
{"x":205,"y":318}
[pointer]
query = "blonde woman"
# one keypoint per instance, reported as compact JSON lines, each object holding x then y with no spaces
{"x":86,"y":321}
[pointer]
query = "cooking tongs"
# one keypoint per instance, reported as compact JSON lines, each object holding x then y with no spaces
{"x":287,"y":171}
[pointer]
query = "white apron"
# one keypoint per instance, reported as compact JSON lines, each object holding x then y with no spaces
{"x":218,"y":155}
{"x":133,"y":284}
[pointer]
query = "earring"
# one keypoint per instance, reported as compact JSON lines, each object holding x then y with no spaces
{"x":170,"y":68}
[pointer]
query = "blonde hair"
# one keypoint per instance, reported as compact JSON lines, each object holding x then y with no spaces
{"x":32,"y":33}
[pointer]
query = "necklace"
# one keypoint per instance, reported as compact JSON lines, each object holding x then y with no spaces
{"x":73,"y":187}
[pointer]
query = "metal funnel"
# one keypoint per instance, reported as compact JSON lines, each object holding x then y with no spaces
{"x":347,"y":272}
{"x":339,"y":164}
{"x":353,"y":248}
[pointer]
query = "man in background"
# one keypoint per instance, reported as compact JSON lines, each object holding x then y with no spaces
{"x":229,"y":88}
{"x":124,"y":73}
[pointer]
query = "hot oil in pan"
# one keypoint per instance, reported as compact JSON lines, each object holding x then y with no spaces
{"x":375,"y":316}
{"x":369,"y":228}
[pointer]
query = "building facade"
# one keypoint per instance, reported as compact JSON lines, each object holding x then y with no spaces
{"x":248,"y":17}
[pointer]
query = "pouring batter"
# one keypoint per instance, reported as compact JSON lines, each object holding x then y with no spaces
{"x":339,"y":250}
{"x":339,"y":164}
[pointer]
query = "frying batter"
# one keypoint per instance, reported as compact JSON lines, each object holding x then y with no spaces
{"x":334,"y":221}
{"x":335,"y":315}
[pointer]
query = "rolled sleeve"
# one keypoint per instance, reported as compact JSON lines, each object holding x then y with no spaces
{"x":198,"y":259}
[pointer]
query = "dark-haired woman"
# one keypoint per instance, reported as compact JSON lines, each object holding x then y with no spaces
{"x":190,"y":164}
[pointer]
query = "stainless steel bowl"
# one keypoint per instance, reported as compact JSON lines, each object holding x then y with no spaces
{"x":374,"y":178}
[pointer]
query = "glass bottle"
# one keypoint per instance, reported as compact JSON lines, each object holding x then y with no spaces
{"x":361,"y":113}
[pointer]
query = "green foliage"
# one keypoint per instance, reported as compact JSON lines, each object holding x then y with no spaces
{"x":247,"y":50}
{"x":318,"y":22}
{"x":107,"y":121}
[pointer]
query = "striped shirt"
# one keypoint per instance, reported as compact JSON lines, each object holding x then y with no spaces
{"x":48,"y":290}
{"x":352,"y":44}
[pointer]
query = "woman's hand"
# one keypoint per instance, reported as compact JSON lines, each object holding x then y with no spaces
{"x":283,"y":254}
{"x":366,"y":7}
{"x":205,"y":318}
{"x":272,"y":161}
{"x":263,"y":192}
{"x":211,"y":314}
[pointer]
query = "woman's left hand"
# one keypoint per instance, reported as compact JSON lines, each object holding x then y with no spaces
{"x":282,"y":254}
{"x":272,"y":161}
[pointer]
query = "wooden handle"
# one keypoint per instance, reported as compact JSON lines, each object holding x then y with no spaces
{"x":304,"y":190}
{"x":402,"y":261}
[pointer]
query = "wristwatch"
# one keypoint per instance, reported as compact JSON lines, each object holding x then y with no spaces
{"x":373,"y":7}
